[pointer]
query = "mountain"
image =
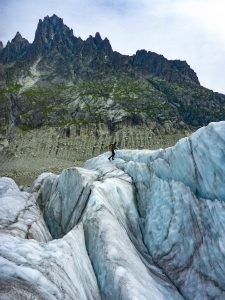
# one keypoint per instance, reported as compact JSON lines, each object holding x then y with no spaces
{"x":149,"y":225}
{"x":54,"y":44}
{"x":61,"y":81}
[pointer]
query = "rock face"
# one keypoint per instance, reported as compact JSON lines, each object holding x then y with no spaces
{"x":14,"y":49}
{"x":148,"y":225}
{"x":172,"y":70}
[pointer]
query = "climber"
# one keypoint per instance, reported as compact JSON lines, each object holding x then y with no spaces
{"x":112,"y":148}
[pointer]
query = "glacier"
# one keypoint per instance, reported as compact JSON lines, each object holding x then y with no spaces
{"x":148,"y":225}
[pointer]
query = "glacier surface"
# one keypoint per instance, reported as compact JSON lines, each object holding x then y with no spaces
{"x":149,"y":225}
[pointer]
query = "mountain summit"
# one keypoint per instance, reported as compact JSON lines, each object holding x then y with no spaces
{"x":15,"y":49}
{"x":50,"y":30}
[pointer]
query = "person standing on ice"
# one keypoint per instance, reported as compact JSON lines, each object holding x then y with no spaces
{"x":112,"y":148}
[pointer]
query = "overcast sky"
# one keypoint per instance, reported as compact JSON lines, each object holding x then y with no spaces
{"x":191,"y":30}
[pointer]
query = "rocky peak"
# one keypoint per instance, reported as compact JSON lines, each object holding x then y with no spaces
{"x":90,"y":41}
{"x":19,"y":41}
{"x":158,"y":65}
{"x":53,"y":23}
{"x":185,"y":69}
{"x":15,"y":49}
{"x":51,"y":33}
{"x":54,"y":19}
{"x":18,"y":38}
{"x":97,"y":38}
{"x":95,"y":46}
{"x":105,"y":46}
{"x":100,"y":44}
{"x":143,"y":57}
{"x":89,"y":48}
{"x":50,"y":28}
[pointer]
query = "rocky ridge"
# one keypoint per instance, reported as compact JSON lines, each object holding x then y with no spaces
{"x":55,"y":43}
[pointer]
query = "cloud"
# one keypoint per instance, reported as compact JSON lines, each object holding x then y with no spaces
{"x":116,"y":6}
{"x":209,"y":15}
{"x":180,"y":29}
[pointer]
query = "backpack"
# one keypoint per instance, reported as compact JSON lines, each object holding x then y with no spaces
{"x":110,"y":147}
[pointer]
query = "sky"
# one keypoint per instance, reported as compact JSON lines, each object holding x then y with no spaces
{"x":191,"y":30}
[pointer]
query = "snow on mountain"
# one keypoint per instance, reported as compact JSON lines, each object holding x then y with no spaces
{"x":149,"y":225}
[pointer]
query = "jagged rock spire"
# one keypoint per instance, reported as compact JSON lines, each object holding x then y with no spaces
{"x":52,"y":33}
{"x":15,"y":49}
{"x":97,"y":38}
{"x":18,"y":37}
{"x":51,"y":27}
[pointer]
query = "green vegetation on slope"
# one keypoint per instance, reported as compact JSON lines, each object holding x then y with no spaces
{"x":114,"y":100}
